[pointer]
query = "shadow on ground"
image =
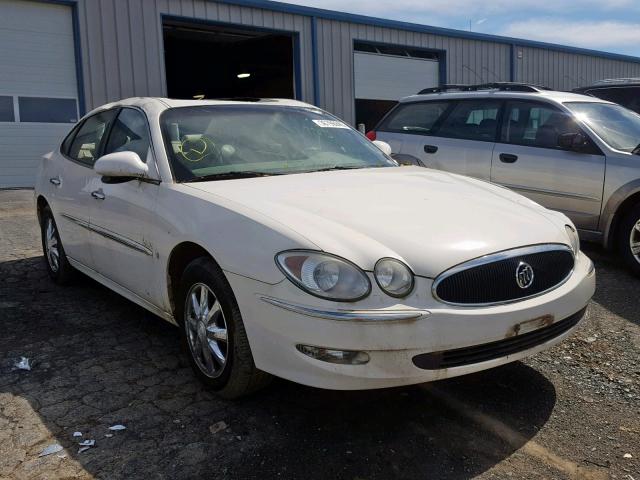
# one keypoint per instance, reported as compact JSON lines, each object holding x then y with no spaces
{"x":99,"y":360}
{"x":617,"y":289}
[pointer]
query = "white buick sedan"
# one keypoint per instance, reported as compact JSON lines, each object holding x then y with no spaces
{"x":282,"y":242}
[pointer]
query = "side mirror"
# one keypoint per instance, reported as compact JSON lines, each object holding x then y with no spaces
{"x":121,"y":165}
{"x":384,"y":146}
{"x":572,"y":141}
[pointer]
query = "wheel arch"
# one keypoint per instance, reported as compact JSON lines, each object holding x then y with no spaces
{"x":181,"y":255}
{"x":617,"y":207}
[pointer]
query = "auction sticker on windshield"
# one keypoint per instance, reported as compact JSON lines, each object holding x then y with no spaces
{"x":330,"y":124}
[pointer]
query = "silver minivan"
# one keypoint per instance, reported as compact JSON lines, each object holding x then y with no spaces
{"x":568,"y":152}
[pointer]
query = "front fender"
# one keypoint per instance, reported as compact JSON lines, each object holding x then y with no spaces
{"x":613,"y":205}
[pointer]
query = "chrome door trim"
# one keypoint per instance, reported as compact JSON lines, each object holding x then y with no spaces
{"x":551,"y":192}
{"x":127,"y":242}
{"x":494,"y":257}
{"x":359,"y":316}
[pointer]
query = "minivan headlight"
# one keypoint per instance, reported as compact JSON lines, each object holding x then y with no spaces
{"x":574,"y":239}
{"x":324,"y":275}
{"x":393,"y":277}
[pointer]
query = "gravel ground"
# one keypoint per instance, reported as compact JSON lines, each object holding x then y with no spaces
{"x":98,"y":360}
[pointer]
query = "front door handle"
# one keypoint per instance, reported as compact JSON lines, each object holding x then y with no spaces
{"x":98,"y":194}
{"x":508,"y":158}
{"x":55,"y":181}
{"x":430,"y":149}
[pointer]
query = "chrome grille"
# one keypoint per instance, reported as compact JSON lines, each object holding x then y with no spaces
{"x":500,"y":277}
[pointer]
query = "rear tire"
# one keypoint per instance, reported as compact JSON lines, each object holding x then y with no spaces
{"x":213,"y":333}
{"x":628,"y":239}
{"x":58,"y":266}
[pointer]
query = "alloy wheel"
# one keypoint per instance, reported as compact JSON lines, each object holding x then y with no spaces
{"x":51,"y":245}
{"x":206,"y":330}
{"x":634,"y":241}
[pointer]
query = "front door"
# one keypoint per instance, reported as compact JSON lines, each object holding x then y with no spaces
{"x":529,"y":160}
{"x":122,"y":214}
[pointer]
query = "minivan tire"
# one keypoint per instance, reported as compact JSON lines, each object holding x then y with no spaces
{"x":629,"y":233}
{"x":238,"y":376}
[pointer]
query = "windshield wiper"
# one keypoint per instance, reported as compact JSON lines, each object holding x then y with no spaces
{"x":232,"y":175}
{"x":336,"y":167}
{"x":636,"y":151}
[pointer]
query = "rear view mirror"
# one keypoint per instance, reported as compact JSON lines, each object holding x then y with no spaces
{"x":121,"y":165}
{"x":572,"y":141}
{"x":384,"y":146}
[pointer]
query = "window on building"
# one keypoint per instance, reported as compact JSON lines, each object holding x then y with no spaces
{"x":87,"y":144}
{"x":129,"y":133}
{"x":48,"y":110}
{"x":472,"y":120}
{"x":414,"y":117}
{"x":6,"y":109}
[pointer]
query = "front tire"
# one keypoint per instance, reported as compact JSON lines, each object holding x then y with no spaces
{"x":58,"y":266}
{"x":213,"y":333}
{"x":629,"y":239}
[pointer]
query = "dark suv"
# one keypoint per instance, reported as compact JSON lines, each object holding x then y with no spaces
{"x":623,"y":91}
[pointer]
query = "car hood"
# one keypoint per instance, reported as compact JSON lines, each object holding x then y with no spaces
{"x":429,"y":219}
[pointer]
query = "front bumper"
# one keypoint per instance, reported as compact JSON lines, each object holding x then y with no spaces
{"x":279,"y":317}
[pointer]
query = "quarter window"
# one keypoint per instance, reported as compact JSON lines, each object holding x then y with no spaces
{"x":87,"y":144}
{"x":472,"y":120}
{"x":536,"y":125}
{"x":415,"y":117}
{"x":129,"y":133}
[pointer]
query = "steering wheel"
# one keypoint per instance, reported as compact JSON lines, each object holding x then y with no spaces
{"x":198,"y":148}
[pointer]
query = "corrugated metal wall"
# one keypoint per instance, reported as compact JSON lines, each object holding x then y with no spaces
{"x":122,"y":47}
{"x":566,"y":71}
{"x":122,"y":52}
{"x":467,"y":61}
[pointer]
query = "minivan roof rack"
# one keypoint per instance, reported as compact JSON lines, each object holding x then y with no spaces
{"x":502,"y":86}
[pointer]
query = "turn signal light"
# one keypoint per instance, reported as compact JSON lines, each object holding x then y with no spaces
{"x":343,"y":357}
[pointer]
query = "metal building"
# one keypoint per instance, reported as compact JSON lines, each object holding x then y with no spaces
{"x":61,"y":58}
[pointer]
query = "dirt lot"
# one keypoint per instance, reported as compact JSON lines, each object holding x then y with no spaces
{"x":98,"y":360}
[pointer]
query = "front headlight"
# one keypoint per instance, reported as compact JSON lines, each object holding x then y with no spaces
{"x":574,"y":239}
{"x":324,"y":275}
{"x":393,"y":277}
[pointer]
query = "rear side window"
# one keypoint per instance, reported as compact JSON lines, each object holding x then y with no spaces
{"x":87,"y":144}
{"x":414,"y":117}
{"x":472,"y":120}
{"x":129,"y":133}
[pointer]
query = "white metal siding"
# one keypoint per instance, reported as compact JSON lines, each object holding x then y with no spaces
{"x":386,"y":77}
{"x":37,"y":59}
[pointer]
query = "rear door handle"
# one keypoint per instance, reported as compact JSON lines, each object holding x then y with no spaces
{"x":430,"y":149}
{"x":55,"y":181}
{"x":508,"y":158}
{"x":98,"y":194}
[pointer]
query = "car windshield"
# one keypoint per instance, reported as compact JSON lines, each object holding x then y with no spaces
{"x":617,"y":126}
{"x":212,"y":142}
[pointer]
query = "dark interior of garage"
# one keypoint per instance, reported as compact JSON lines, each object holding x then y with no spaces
{"x":223,"y":62}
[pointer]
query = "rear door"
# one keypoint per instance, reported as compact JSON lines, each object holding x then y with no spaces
{"x":529,"y":160}
{"x":459,"y":140}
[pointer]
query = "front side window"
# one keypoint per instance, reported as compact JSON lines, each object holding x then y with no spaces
{"x":414,"y":117}
{"x":536,"y":125}
{"x":617,"y":126}
{"x":130,"y":132}
{"x":212,"y":142}
{"x":472,"y":120}
{"x":87,"y":143}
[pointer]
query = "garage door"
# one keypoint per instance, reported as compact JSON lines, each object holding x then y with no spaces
{"x":38,"y":85}
{"x":384,"y":74}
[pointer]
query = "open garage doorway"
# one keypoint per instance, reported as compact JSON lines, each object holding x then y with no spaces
{"x":219,"y":61}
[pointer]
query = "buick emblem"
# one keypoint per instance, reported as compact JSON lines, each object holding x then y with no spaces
{"x":524,"y":275}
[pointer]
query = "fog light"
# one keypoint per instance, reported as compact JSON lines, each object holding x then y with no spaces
{"x":344,"y":357}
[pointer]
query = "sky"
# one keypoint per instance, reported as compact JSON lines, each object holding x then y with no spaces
{"x":609,"y":25}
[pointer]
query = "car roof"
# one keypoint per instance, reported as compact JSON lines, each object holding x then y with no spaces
{"x":159,"y":103}
{"x":548,"y":95}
